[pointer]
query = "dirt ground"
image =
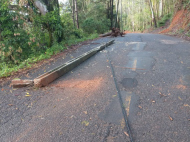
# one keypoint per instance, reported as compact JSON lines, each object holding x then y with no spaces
{"x":178,"y":27}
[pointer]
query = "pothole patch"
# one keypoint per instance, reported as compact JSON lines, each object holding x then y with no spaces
{"x":128,"y":83}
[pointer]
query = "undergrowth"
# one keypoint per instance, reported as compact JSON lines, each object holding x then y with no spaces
{"x":6,"y":69}
{"x":164,"y":19}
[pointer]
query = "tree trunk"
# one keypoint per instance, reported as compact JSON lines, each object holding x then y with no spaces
{"x":133,"y":22}
{"x":57,"y":5}
{"x":76,"y":12}
{"x":0,"y":36}
{"x":50,"y":36}
{"x":121,"y":22}
{"x":73,"y":12}
{"x":161,"y":8}
{"x":111,"y":1}
{"x":116,"y":19}
{"x":153,"y":16}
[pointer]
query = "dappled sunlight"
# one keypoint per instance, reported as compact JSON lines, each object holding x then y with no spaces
{"x":41,"y":130}
{"x":181,"y":87}
{"x":168,"y":42}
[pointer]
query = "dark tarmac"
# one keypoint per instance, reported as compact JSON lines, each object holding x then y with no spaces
{"x":152,"y":73}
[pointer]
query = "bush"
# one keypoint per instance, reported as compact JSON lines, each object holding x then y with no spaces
{"x":164,"y":19}
{"x":90,"y":25}
{"x":15,"y":42}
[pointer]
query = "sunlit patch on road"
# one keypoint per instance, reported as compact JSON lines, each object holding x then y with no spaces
{"x":183,"y":87}
{"x":169,"y":42}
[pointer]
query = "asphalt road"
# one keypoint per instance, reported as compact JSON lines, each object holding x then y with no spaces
{"x":152,"y":74}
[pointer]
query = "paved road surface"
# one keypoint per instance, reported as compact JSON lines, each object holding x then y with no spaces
{"x":153,"y":77}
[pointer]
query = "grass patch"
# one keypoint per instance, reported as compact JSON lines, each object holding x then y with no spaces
{"x":181,"y":31}
{"x":6,"y":69}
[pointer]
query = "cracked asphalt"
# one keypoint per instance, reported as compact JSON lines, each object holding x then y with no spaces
{"x":152,"y":73}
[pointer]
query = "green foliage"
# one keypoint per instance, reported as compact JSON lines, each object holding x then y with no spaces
{"x":188,"y":34}
{"x":29,"y":38}
{"x":91,"y":26}
{"x":8,"y":69}
{"x":93,"y":17}
{"x":181,"y":31}
{"x":164,"y":19}
{"x":186,"y":4}
{"x":15,"y":42}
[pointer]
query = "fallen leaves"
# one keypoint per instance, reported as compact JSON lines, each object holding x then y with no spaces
{"x":126,"y":134}
{"x":114,"y":95}
{"x":86,"y":123}
{"x":85,"y":112}
{"x":162,"y":95}
{"x":170,"y":118}
{"x":186,"y":105}
{"x":27,"y":94}
{"x":27,"y":75}
{"x":179,"y":98}
{"x":183,"y":87}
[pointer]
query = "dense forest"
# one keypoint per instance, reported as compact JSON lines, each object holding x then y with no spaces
{"x":32,"y":30}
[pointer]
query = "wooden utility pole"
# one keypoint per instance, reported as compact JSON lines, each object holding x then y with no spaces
{"x":76,"y":12}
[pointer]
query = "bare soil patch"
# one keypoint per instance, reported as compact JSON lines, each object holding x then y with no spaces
{"x":81,"y":85}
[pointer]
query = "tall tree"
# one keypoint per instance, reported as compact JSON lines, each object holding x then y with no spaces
{"x":121,"y":22}
{"x":76,"y":14}
{"x":153,"y":15}
{"x":73,"y":11}
{"x":117,"y":19}
{"x":161,"y":8}
{"x":111,"y":1}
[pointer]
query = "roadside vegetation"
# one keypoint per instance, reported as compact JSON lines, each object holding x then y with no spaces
{"x":180,"y":22}
{"x":30,"y":31}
